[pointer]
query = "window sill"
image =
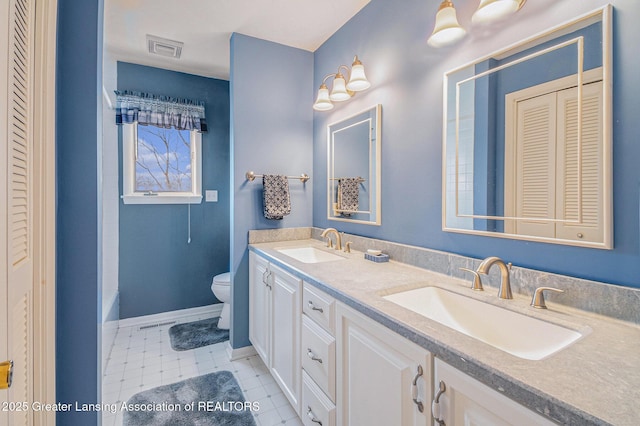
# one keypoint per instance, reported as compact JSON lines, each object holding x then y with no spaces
{"x":162,"y":199}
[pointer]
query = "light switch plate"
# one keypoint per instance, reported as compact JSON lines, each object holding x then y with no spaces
{"x":211,"y":195}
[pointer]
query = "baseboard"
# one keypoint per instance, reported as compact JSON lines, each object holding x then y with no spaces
{"x":110,"y":308}
{"x":213,"y":310}
{"x":238,"y":353}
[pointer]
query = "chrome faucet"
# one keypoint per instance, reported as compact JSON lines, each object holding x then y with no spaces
{"x":505,"y":283}
{"x":338,"y":239}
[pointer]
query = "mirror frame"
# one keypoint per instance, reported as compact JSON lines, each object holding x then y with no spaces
{"x":604,"y":14}
{"x":374,"y":175}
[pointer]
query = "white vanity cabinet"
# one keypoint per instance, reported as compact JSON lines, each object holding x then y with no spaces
{"x":462,"y":400}
{"x":275,"y":322}
{"x":338,"y":367}
{"x":382,"y":378}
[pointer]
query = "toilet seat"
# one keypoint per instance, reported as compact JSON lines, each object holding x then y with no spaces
{"x":222,"y":279}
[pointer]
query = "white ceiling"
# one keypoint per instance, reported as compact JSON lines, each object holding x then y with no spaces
{"x":205,"y":26}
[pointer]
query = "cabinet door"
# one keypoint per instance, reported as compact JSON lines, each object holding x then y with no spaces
{"x":259,"y":306}
{"x":285,"y":334}
{"x":466,"y":401}
{"x":376,"y":370}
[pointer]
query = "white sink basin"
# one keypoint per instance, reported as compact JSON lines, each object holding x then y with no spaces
{"x":520,"y":335}
{"x":309,"y":254}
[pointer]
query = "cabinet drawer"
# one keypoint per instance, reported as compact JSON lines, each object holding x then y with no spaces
{"x":319,"y":306}
{"x":319,"y":356}
{"x":316,"y":408}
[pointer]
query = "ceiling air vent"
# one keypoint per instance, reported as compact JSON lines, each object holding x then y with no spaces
{"x":164,"y":47}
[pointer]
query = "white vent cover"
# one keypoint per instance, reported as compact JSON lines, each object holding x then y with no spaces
{"x":164,"y":47}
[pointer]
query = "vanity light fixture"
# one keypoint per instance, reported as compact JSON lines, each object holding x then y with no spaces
{"x":494,"y":10}
{"x":447,"y":30}
{"x":341,"y":90}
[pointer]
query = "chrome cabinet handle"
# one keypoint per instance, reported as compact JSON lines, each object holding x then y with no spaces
{"x":435,"y":405}
{"x":265,"y":277}
{"x":313,"y":416}
{"x":311,"y":355}
{"x":414,"y":390}
{"x":313,"y":307}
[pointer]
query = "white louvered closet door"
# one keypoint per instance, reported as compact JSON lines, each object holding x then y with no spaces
{"x":588,"y":224}
{"x":549,"y":168}
{"x":536,"y":165}
{"x":17,"y":49}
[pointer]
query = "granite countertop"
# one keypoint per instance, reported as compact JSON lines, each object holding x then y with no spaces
{"x":595,"y":380}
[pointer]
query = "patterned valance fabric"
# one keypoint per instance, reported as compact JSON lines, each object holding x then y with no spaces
{"x":159,"y":111}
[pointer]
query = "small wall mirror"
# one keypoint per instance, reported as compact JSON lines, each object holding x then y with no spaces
{"x":353,"y":189}
{"x":527,"y":138}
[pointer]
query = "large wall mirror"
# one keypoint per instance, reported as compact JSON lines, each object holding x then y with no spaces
{"x":353,"y":188}
{"x":527,"y":148}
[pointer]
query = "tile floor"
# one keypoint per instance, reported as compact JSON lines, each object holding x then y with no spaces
{"x":143,"y":359}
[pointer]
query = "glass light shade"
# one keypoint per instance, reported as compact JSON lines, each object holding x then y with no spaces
{"x":494,"y":10}
{"x":323,"y":103}
{"x":357,"y":80}
{"x":447,"y":29}
{"x":339,"y":90}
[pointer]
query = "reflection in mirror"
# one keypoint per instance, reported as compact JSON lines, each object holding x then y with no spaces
{"x":353,"y":188}
{"x":527,"y":138}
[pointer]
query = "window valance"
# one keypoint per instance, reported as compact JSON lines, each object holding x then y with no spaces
{"x":159,"y":111}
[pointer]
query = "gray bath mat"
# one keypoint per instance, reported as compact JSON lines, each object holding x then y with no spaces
{"x":212,"y":399}
{"x":196,"y":334}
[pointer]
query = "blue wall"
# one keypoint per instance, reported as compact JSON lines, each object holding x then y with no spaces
{"x":78,"y":112}
{"x":406,"y":76}
{"x":271,"y":132}
{"x":159,"y":271}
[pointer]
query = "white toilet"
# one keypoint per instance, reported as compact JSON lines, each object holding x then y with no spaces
{"x":221,"y":287}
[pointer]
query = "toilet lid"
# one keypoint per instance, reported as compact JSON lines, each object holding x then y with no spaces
{"x":222,"y":279}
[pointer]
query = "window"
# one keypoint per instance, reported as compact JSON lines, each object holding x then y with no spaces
{"x":161,"y":165}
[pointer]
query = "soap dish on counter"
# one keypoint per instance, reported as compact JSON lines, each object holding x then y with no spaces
{"x":379,"y":258}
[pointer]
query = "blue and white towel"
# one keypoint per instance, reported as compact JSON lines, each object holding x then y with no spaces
{"x":277,"y":203}
{"x":348,"y":193}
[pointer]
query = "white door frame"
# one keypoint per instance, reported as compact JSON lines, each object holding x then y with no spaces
{"x":45,"y":218}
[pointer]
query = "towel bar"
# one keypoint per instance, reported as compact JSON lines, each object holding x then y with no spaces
{"x":303,"y":177}
{"x":360,"y":180}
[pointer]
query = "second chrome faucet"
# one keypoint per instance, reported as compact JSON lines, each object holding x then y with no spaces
{"x":484,"y":267}
{"x":334,"y":231}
